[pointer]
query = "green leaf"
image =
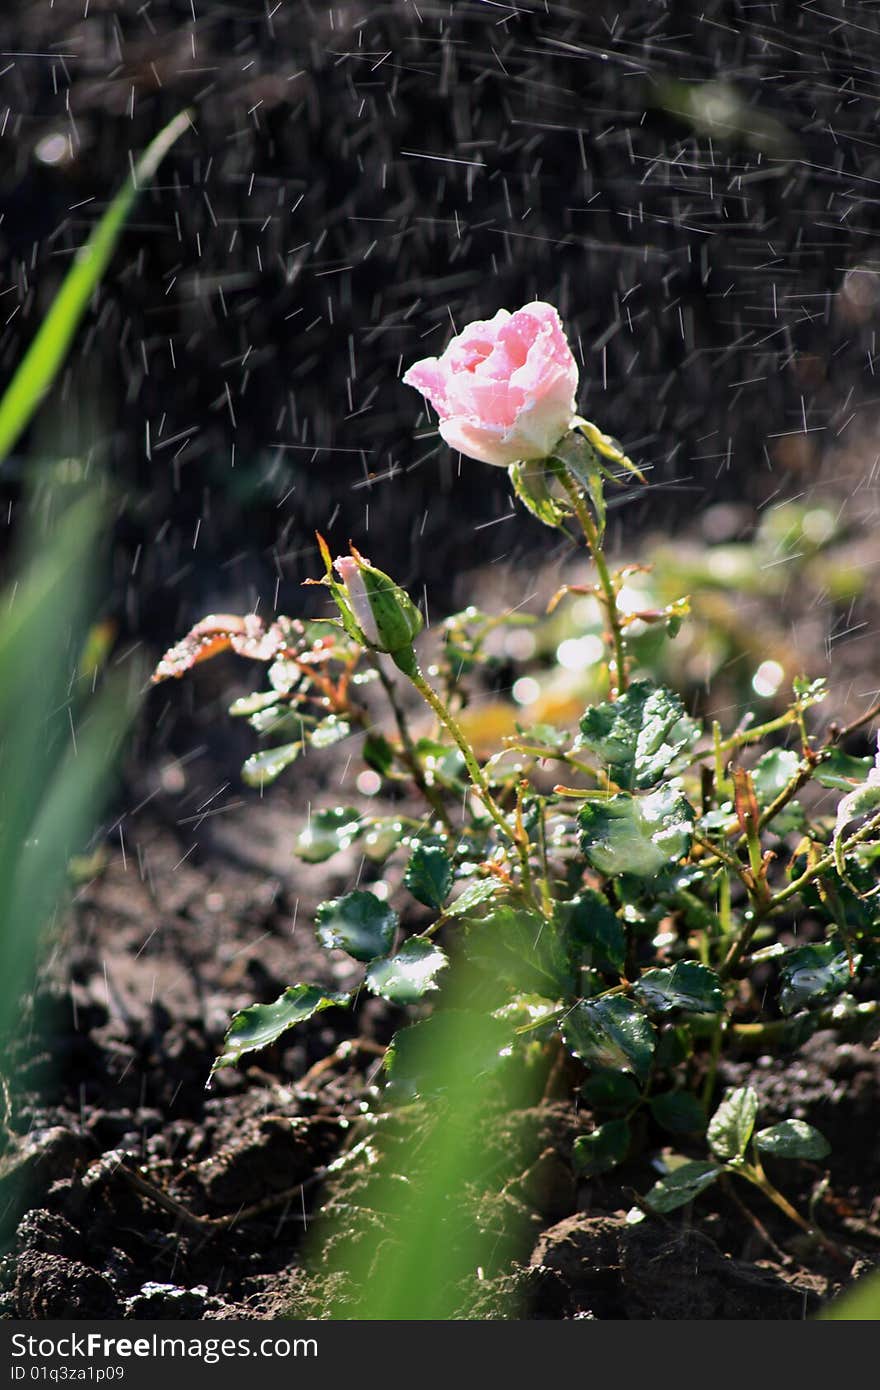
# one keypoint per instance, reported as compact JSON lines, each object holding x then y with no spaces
{"x":811,"y":975}
{"x":807,"y":692}
{"x":357,"y":923}
{"x":523,"y":949}
{"x":611,"y":1090}
{"x":261,"y":1024}
{"x":529,"y":482}
{"x":602,"y":1150}
{"x":280,"y":720}
{"x":681,"y":1186}
{"x":771,"y":775}
{"x":41,"y":362}
{"x":687,"y":985}
{"x":543,"y":736}
{"x":482,"y":890}
{"x":792,"y":1139}
{"x":261,"y":769}
{"x":328,"y":832}
{"x":429,"y":875}
{"x":638,"y":735}
{"x":331,"y":730}
{"x":679,"y":1112}
{"x":382,"y":836}
{"x":773,"y":772}
{"x":378,"y":753}
{"x":674,"y":1045}
{"x":411,"y":1059}
{"x":406,"y":977}
{"x":607,"y":447}
{"x":253,"y":704}
{"x":730,"y":1128}
{"x":612,"y":1033}
{"x":640,"y":836}
{"x":840,"y":771}
{"x":581,"y":459}
{"x":595,"y":934}
{"x":861,"y":802}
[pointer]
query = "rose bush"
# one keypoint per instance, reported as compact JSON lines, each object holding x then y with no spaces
{"x":504,"y":388}
{"x":671,"y":901}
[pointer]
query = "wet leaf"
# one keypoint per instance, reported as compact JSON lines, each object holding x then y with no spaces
{"x":611,"y":1090}
{"x":681,"y":1186}
{"x":411,"y":1058}
{"x":811,"y":975}
{"x":602,"y":1150}
{"x":406,"y":977}
{"x":381,"y":838}
{"x":639,"y":836}
{"x":608,"y":447}
{"x":328,"y":832}
{"x":583,"y":462}
{"x":429,"y":875}
{"x":687,"y":985}
{"x":523,"y":949}
{"x":679,"y":1112}
{"x":730,"y":1128}
{"x":529,"y":481}
{"x":773,"y":772}
{"x":357,"y":923}
{"x":638,"y":735}
{"x":261,"y":769}
{"x":792,"y":1139}
{"x":841,"y":772}
{"x":279,"y":720}
{"x":378,"y":753}
{"x":595,"y":933}
{"x":612,"y":1033}
{"x":863,"y":801}
{"x":253,"y":704}
{"x":331,"y":730}
{"x":481,"y":890}
{"x":262,"y":1024}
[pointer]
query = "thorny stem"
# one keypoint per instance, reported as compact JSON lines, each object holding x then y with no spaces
{"x":588,"y":526}
{"x":411,"y":757}
{"x":450,"y":723}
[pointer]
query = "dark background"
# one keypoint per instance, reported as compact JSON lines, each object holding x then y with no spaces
{"x":361,"y":178}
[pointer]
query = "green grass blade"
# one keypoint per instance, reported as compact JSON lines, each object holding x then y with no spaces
{"x":859,"y":1303}
{"x":43,"y":358}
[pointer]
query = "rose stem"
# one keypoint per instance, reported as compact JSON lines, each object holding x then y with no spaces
{"x":411,"y":757}
{"x":445,"y":717}
{"x":617,"y":671}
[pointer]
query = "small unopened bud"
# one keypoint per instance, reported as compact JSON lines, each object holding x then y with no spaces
{"x":383,"y":613}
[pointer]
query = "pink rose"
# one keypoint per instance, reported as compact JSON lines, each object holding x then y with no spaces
{"x":504,"y":389}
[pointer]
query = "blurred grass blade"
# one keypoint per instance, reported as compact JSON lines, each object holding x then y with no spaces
{"x":859,"y":1303}
{"x":40,"y":363}
{"x":58,"y":743}
{"x":411,"y":1249}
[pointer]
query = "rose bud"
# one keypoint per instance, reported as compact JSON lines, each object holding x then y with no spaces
{"x":504,"y":389}
{"x":375,"y":610}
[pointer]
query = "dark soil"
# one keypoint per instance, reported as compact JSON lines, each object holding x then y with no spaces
{"x":136,"y":1185}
